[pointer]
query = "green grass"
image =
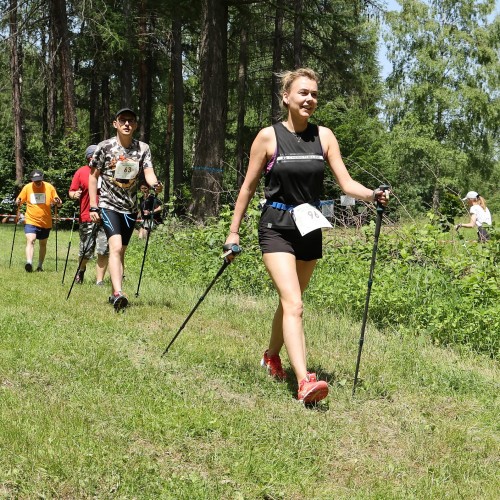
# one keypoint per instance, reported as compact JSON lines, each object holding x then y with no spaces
{"x":90,"y":409}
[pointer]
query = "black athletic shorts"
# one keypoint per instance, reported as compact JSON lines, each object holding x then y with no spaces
{"x":307,"y":247}
{"x":117,"y":223}
{"x":482,"y":235}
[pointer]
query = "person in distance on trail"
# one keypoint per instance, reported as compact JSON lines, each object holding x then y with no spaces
{"x":79,"y":190}
{"x":291,"y":156}
{"x":119,"y":162}
{"x":480,"y":215}
{"x":40,"y":197}
{"x":149,"y":203}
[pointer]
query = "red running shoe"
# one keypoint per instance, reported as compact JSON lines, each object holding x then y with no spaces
{"x":273,"y":366}
{"x":312,"y":390}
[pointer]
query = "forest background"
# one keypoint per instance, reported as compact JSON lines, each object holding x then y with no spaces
{"x":202,"y":76}
{"x":88,"y":407}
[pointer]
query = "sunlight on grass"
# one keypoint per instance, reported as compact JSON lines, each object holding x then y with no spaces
{"x":89,"y":408}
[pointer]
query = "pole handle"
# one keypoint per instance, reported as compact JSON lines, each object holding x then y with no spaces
{"x":231,"y":249}
{"x":386,"y":188}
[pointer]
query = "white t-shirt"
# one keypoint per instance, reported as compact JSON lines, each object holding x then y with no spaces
{"x":482,"y":216}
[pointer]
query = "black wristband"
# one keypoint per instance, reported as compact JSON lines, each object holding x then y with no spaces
{"x":94,"y":209}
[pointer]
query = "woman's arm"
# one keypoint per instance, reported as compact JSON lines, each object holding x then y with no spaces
{"x":471,"y":224}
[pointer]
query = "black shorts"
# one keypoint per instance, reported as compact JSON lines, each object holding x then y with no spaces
{"x":41,"y":233}
{"x":482,"y":235}
{"x":118,"y":223}
{"x":307,"y":247}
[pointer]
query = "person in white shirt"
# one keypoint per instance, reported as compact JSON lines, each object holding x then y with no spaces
{"x":480,"y":215}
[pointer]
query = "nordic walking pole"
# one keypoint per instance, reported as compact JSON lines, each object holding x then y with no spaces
{"x":85,"y":250}
{"x":69,"y":246}
{"x":151,"y":222}
{"x":230,"y":249}
{"x":380,"y":212}
{"x":15,"y":229}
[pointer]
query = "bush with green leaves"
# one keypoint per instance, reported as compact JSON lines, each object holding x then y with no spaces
{"x":425,"y":282}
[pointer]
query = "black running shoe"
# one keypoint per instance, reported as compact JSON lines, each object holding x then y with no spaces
{"x":28,"y":267}
{"x":120,"y":301}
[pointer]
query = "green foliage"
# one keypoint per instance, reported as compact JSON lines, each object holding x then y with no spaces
{"x":426,"y":283}
{"x":192,"y":254}
{"x":442,"y":103}
{"x":446,"y":289}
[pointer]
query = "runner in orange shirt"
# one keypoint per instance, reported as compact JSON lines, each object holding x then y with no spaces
{"x":39,"y":197}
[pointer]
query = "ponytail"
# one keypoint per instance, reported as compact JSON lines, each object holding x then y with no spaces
{"x":481,"y":201}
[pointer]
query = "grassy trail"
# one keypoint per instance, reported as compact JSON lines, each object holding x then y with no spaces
{"x":89,"y":409}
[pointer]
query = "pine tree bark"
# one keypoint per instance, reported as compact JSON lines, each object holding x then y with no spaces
{"x":206,"y":182}
{"x":16,"y":65}
{"x":51,"y":88}
{"x":94,"y":111}
{"x":59,"y":20}
{"x":242,"y":84}
{"x":106,"y":108}
{"x":277,"y":50}
{"x":145,"y":72}
{"x":297,"y":34}
{"x":178,"y":107}
{"x":168,"y":138}
{"x":126,"y":68}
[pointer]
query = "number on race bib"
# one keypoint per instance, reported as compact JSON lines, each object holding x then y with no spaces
{"x":307,"y":218}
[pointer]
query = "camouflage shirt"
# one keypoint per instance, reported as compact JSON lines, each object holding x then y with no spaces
{"x":120,"y":170}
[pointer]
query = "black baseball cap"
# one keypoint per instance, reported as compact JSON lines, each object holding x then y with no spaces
{"x":37,"y":175}
{"x":125,"y":110}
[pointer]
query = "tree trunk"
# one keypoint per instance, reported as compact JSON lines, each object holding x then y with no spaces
{"x":277,"y":49}
{"x":95,"y":112}
{"x":126,"y":69}
{"x":242,"y":83}
{"x":145,"y":72}
{"x":168,"y":137}
{"x":61,"y":36}
{"x":297,"y":34}
{"x":16,"y":65}
{"x":206,"y":182}
{"x":51,"y":89}
{"x":178,"y":107}
{"x":106,"y":109}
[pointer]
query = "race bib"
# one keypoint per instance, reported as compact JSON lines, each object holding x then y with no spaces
{"x":126,"y":169}
{"x":308,"y":218}
{"x":37,"y":198}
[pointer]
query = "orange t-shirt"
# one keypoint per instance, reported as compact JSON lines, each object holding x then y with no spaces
{"x":38,"y":200}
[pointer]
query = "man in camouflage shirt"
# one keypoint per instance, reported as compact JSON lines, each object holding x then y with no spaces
{"x":120,"y":163}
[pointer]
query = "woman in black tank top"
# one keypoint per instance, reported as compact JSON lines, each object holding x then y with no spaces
{"x":291,"y":155}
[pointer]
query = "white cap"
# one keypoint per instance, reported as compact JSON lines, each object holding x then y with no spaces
{"x":471,"y":195}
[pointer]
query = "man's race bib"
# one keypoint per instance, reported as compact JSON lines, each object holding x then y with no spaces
{"x":37,"y":198}
{"x":308,"y":218}
{"x":126,"y":169}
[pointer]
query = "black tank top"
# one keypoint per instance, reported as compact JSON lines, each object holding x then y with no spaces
{"x":294,"y":175}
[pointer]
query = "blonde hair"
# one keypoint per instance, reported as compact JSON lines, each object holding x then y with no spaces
{"x":481,"y":201}
{"x":288,"y":77}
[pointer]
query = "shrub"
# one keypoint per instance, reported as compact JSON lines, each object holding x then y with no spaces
{"x":423,"y":284}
